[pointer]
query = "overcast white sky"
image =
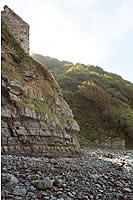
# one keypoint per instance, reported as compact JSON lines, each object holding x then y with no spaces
{"x":98,"y":32}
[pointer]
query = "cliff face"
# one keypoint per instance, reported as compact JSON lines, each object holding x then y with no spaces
{"x":36,"y":120}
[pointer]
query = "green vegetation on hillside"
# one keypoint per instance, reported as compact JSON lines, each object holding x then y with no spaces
{"x":53,"y":64}
{"x":102,"y":102}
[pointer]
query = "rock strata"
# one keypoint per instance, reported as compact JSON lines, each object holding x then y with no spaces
{"x":32,"y":130}
{"x":92,"y":176}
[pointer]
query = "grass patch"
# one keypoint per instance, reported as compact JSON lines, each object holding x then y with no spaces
{"x":10,"y":70}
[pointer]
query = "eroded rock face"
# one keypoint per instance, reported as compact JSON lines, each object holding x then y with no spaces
{"x":33,"y":122}
{"x":36,"y":121}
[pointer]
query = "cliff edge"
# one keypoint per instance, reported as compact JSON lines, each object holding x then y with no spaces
{"x":36,"y":121}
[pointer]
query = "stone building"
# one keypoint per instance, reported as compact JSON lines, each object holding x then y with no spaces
{"x":17,"y":27}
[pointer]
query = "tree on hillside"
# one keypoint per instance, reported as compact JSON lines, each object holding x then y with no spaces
{"x":96,"y":94}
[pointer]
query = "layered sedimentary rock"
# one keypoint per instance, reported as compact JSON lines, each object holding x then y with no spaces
{"x":36,"y":121}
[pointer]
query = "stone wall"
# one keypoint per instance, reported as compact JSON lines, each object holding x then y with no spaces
{"x":116,"y":143}
{"x":17,"y":27}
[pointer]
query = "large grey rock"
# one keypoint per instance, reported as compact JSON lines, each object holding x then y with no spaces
{"x":16,"y":87}
{"x":9,"y":179}
{"x":19,"y":191}
{"x":58,"y":181}
{"x":28,"y":75}
{"x":128,"y":190}
{"x":46,"y":183}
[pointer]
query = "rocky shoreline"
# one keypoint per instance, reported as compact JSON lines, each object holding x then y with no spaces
{"x":96,"y":174}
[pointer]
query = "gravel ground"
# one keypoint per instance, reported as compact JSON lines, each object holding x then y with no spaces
{"x":96,"y":174}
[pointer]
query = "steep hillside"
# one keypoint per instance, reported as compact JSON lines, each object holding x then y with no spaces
{"x":102,"y":102}
{"x":35,"y":118}
{"x":53,"y":64}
